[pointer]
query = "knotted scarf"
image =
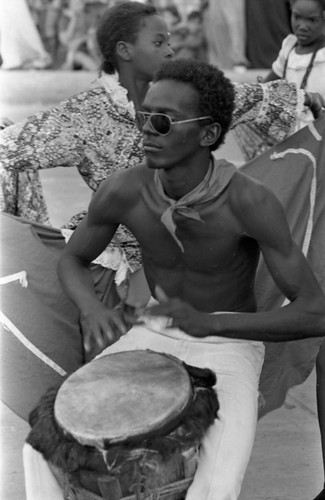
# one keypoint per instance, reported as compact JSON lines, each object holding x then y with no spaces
{"x":216,"y":180}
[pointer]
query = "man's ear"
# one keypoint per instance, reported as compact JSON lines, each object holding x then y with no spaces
{"x":123,"y":51}
{"x":210,"y":134}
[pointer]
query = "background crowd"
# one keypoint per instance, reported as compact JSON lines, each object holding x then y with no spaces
{"x":60,"y":34}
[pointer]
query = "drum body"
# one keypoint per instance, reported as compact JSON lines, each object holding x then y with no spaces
{"x":130,"y":425}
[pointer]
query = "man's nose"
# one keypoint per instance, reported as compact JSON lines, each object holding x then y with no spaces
{"x":147,"y":128}
{"x":302,"y":25}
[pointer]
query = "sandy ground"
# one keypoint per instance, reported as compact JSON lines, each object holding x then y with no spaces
{"x":286,"y":461}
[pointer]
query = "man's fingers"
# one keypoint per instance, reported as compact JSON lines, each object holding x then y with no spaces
{"x":91,"y":339}
{"x":120,"y":326}
{"x":98,"y":340}
{"x":86,"y":341}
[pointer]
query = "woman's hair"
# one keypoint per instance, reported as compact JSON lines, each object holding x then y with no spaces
{"x":120,"y":23}
{"x":216,"y":94}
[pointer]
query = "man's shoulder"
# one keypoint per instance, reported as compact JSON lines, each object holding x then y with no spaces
{"x":252,"y":203}
{"x":241,"y":180}
{"x":246,"y":191}
{"x":120,"y":192}
{"x":126,"y":179}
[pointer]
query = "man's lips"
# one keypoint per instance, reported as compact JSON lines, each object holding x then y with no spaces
{"x":149,"y":146}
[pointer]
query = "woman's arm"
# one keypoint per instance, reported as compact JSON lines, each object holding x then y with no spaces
{"x":274,"y":103}
{"x":270,"y":77}
{"x":54,"y":138}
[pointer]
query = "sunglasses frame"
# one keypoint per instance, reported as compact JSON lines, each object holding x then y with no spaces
{"x":147,"y":116}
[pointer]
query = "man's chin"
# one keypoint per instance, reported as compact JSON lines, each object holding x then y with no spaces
{"x":153,"y":163}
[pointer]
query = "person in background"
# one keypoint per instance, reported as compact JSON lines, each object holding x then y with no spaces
{"x":301,"y":60}
{"x":21,"y":46}
{"x":267,"y":23}
{"x":74,"y":134}
{"x":51,"y":28}
{"x":177,"y":28}
{"x":172,"y":16}
{"x":96,"y":132}
{"x":195,"y":41}
{"x":224,"y":25}
{"x":302,"y":56}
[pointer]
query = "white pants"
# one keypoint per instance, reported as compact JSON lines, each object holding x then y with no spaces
{"x":40,"y":483}
{"x":227,"y":446}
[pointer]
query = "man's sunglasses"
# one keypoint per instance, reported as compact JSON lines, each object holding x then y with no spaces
{"x":161,"y":123}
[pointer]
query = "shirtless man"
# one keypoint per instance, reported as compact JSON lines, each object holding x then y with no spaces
{"x":201,"y":225}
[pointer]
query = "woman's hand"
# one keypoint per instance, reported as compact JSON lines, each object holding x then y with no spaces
{"x":315,"y":102}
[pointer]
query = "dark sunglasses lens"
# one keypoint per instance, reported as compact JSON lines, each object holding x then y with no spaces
{"x":160,"y":123}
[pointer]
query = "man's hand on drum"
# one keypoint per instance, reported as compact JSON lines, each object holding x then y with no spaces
{"x":102,"y":327}
{"x":182,"y":315}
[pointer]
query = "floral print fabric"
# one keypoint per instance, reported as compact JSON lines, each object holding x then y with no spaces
{"x":265,"y":115}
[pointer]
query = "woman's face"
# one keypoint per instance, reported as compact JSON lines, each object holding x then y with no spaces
{"x":307,"y":20}
{"x":151,"y":48}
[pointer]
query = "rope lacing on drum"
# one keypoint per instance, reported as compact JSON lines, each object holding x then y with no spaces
{"x":165,"y":491}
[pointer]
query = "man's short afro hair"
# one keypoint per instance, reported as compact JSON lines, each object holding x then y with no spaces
{"x":216,"y":94}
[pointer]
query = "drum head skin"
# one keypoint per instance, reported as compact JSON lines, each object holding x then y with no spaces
{"x":123,"y":397}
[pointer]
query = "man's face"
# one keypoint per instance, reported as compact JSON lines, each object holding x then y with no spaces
{"x":151,"y":48}
{"x":177,"y":100}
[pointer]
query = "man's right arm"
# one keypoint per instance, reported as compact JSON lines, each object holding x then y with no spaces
{"x":100,"y":326}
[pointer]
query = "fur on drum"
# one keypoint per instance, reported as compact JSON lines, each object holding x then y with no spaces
{"x":79,"y":462}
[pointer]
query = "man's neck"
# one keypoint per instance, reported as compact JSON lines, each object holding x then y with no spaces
{"x":178,"y":181}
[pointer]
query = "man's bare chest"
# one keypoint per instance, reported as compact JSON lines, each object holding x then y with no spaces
{"x":209,"y":242}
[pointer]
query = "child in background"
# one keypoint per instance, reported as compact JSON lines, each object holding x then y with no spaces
{"x":301,"y":59}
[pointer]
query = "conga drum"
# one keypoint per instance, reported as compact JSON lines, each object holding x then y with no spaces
{"x":130,"y":425}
